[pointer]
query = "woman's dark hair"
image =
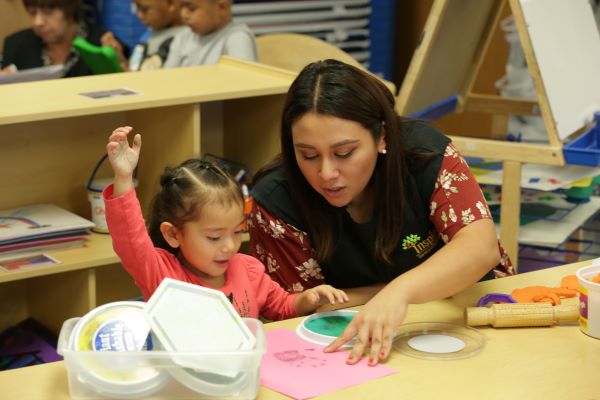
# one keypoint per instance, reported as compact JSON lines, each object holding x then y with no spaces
{"x":73,"y":9}
{"x":184,"y":191}
{"x":333,"y":88}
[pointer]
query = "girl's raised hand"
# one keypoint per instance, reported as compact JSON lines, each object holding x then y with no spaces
{"x":123,"y":158}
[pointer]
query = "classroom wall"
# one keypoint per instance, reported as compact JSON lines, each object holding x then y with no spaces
{"x":13,"y":18}
{"x":411,"y":17}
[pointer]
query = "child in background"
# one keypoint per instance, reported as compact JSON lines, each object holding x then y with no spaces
{"x":210,"y":33}
{"x":194,"y":233}
{"x":163,"y":19}
{"x":54,"y":26}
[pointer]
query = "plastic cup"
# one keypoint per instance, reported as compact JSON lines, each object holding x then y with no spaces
{"x":589,"y":301}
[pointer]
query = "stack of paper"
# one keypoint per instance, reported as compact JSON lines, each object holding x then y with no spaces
{"x":40,"y":227}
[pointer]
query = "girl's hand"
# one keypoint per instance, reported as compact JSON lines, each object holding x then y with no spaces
{"x":123,"y":158}
{"x":309,"y":300}
{"x":374,"y":328}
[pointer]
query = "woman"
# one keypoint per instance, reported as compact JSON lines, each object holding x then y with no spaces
{"x":365,"y":200}
{"x":54,"y":25}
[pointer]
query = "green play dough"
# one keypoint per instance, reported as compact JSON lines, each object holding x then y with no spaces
{"x":332,"y":325}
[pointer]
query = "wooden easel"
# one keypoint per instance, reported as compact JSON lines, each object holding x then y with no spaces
{"x":447,"y":61}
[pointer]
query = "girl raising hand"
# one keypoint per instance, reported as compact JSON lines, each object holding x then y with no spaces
{"x":194,"y":234}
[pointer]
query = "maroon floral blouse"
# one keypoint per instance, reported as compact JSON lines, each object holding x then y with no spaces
{"x":288,"y":255}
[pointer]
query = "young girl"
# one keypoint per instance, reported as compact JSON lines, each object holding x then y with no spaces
{"x":194,"y":235}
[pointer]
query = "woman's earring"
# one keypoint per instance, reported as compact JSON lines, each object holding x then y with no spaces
{"x":384,"y":151}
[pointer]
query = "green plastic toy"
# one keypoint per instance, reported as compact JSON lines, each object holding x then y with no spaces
{"x":99,"y":59}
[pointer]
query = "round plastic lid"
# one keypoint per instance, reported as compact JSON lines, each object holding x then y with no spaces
{"x":115,"y":327}
{"x":438,"y":341}
{"x":323,"y":328}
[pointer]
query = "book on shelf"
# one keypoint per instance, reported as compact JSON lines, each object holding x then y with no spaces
{"x":41,"y":223}
{"x":44,"y":245}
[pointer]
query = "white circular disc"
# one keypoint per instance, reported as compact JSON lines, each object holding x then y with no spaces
{"x":436,"y":343}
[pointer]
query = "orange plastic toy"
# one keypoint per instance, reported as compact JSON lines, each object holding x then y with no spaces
{"x":537,"y":294}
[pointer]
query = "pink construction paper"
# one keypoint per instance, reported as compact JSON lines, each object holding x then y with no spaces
{"x":300,"y":369}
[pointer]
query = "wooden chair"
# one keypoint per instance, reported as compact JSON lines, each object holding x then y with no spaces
{"x":293,"y":51}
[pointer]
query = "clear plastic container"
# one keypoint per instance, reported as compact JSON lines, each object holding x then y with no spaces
{"x":171,"y":366}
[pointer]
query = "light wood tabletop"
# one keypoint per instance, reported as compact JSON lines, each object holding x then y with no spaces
{"x":558,"y":362}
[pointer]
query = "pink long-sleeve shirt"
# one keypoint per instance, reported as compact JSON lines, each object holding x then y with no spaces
{"x":250,"y":289}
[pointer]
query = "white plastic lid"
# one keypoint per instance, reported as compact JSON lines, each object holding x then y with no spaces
{"x":458,"y":341}
{"x":191,"y":318}
{"x":118,"y":327}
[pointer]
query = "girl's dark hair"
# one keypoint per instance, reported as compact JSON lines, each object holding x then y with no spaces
{"x":333,"y":88}
{"x":184,"y":191}
{"x":73,"y":9}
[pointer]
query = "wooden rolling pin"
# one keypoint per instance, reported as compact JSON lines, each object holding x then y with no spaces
{"x":504,"y":315}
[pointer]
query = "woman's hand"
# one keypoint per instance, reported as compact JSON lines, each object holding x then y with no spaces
{"x":309,"y":300}
{"x":123,"y":158}
{"x":374,"y":327}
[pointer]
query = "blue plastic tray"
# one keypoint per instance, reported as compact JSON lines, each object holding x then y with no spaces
{"x":585,"y":150}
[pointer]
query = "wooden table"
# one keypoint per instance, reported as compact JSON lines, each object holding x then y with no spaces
{"x":557,"y":362}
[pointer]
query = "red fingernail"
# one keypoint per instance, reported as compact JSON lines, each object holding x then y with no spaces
{"x":382,"y":355}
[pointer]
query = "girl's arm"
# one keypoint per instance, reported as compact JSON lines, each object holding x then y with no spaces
{"x":123,"y":158}
{"x":356,"y":297}
{"x":309,"y":300}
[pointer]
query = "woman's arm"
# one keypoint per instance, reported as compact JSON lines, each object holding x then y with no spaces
{"x":461,"y":217}
{"x":471,"y":253}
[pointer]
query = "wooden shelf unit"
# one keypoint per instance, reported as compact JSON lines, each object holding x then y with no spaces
{"x":51,"y":137}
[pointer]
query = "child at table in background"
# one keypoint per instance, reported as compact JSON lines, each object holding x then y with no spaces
{"x":194,"y":233}
{"x":163,"y":19}
{"x":210,"y":33}
{"x":49,"y":40}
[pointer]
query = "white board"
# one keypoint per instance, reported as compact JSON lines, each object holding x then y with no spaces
{"x":566,"y":43}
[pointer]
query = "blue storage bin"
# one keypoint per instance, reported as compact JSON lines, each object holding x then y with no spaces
{"x":585,"y":150}
{"x":118,"y":16}
{"x":381,"y":27}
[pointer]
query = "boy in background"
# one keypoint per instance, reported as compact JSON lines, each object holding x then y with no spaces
{"x":163,"y":19}
{"x":210,"y":33}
